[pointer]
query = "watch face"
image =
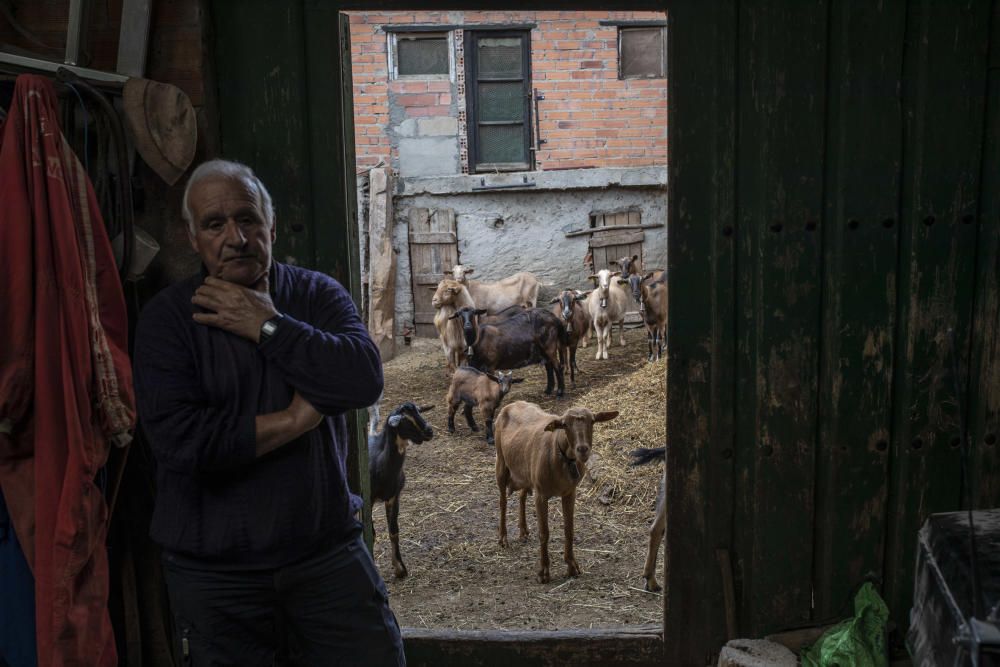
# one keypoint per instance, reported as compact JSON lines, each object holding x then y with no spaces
{"x":267,"y":329}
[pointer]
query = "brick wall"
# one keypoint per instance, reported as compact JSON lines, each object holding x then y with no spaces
{"x":589,"y":118}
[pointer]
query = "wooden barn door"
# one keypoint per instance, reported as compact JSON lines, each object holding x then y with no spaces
{"x":608,"y":244}
{"x":433,"y":251}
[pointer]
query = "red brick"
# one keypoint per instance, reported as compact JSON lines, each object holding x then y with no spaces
{"x":416,"y":100}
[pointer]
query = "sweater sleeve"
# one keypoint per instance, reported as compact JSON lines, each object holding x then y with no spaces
{"x":186,"y":432}
{"x":331,"y":360}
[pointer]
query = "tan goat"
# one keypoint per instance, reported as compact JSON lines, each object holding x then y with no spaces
{"x":545,"y":454}
{"x":449,"y":296}
{"x":520,"y":289}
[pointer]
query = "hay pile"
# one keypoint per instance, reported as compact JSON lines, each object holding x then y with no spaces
{"x":459,"y":577}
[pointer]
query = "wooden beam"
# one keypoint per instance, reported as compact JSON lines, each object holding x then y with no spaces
{"x":617,"y":228}
{"x":624,"y":646}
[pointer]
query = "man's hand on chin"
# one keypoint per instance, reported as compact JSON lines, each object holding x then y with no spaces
{"x":236,"y":309}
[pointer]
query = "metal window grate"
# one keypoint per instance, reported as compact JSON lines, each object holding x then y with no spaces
{"x":421,"y":56}
{"x":642,"y":53}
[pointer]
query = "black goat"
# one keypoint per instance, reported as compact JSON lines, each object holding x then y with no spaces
{"x":386,"y":455}
{"x":642,"y":456}
{"x":532,"y":336}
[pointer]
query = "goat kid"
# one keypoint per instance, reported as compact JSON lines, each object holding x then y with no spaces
{"x":547,"y":455}
{"x":386,"y":456}
{"x":640,"y":457}
{"x":474,"y":387}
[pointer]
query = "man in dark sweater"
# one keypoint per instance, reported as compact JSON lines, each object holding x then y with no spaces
{"x":243,"y":374}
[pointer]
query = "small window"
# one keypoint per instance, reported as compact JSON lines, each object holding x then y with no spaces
{"x":642,"y":53}
{"x":420,"y":56}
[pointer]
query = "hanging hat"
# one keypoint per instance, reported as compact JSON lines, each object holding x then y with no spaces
{"x":163,"y":126}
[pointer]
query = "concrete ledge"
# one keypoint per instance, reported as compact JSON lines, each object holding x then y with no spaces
{"x":525,"y":181}
{"x":755,"y":653}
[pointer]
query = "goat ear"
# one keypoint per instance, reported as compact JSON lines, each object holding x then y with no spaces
{"x":616,"y":273}
{"x":481,"y":311}
{"x":605,"y":416}
{"x":468,"y":270}
{"x":648,"y":275}
{"x":581,"y":297}
{"x":394,"y":420}
{"x":635,"y":257}
{"x":454,"y":316}
{"x":556,"y":424}
{"x":554,"y":301}
{"x":425,"y":408}
{"x":622,"y":281}
{"x":591,"y":277}
{"x":615,"y":262}
{"x":516,"y":380}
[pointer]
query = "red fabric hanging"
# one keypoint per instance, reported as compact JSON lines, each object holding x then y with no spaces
{"x":65,"y":376}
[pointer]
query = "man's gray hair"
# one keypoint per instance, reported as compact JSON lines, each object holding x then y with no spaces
{"x":226,"y":169}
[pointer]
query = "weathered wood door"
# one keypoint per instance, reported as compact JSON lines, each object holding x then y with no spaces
{"x":433,"y":251}
{"x":609,"y":244}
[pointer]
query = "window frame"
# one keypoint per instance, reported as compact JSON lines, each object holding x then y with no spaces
{"x":392,"y":49}
{"x":472,"y":99}
{"x":623,"y":28}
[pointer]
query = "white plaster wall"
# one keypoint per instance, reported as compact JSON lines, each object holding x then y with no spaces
{"x":502,"y":232}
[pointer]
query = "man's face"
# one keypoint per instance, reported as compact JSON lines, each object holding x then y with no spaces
{"x":231,"y":233}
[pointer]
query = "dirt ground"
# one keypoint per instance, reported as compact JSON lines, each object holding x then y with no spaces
{"x":459,"y":577}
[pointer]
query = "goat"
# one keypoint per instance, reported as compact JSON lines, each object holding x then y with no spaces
{"x":474,"y":387}
{"x":636,"y":281}
{"x":642,"y":456}
{"x":449,"y":296}
{"x":529,"y":337}
{"x":606,"y":305}
{"x":386,"y":455}
{"x":545,"y":454}
{"x":520,"y":289}
{"x":654,"y":301}
{"x":577,"y":321}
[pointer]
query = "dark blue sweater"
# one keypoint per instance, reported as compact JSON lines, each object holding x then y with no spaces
{"x":199,"y":390}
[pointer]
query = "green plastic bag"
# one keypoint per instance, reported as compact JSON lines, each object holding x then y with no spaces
{"x":855,"y":642}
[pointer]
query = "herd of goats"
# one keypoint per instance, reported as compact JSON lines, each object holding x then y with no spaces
{"x":489,"y":329}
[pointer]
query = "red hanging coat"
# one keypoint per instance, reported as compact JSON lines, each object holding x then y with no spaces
{"x":65,"y":377}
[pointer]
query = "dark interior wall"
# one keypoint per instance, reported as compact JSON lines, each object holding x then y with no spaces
{"x":178,"y":36}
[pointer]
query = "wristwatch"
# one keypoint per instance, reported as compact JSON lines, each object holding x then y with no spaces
{"x":269,"y":327}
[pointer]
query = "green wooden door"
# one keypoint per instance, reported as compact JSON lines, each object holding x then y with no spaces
{"x":833,"y":169}
{"x":285,"y":108}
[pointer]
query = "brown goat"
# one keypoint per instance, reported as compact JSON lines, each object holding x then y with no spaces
{"x":474,"y":387}
{"x":547,"y":455}
{"x":642,"y":456}
{"x":654,"y":302}
{"x":576,"y":317}
{"x":531,"y":336}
